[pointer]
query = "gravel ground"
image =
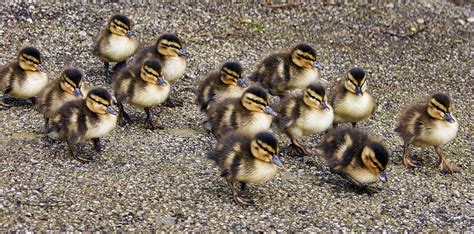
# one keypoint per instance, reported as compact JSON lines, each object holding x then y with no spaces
{"x":162,"y":179}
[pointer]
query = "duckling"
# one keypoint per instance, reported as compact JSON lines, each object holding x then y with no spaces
{"x":247,"y":160}
{"x":23,"y":78}
{"x":281,"y":72}
{"x":225,"y":83}
{"x":305,"y":114}
{"x":115,"y":43}
{"x":169,"y":51}
{"x":350,"y":100}
{"x":81,"y":120}
{"x":429,"y":123}
{"x":352,"y":154}
{"x":141,"y":86}
{"x":248,"y":114}
{"x":68,"y":87}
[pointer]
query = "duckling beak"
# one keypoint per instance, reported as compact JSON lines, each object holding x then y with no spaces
{"x":41,"y":68}
{"x":183,"y":52}
{"x":359,"y":90}
{"x":318,"y":65}
{"x":448,"y":117}
{"x":130,"y":33}
{"x":111,"y":110}
{"x":383,"y":177}
{"x":160,"y":81}
{"x":325,"y":106}
{"x":78,"y":92}
{"x":276,"y":160}
{"x":270,"y":111}
{"x":241,"y":82}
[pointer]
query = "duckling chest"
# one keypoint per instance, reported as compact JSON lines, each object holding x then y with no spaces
{"x":363,"y":175}
{"x":232,"y":91}
{"x":150,"y":95}
{"x":259,"y":172}
{"x":441,"y":133}
{"x":34,"y":82}
{"x":174,"y":68}
{"x":354,"y":108}
{"x":102,"y":127}
{"x":257,"y":122}
{"x":120,"y":48}
{"x":314,"y":121}
{"x":300,"y":80}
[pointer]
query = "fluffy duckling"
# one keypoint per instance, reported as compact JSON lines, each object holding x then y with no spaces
{"x":248,"y":114}
{"x":169,"y":51}
{"x":68,"y":87}
{"x":141,"y":86}
{"x":23,"y":78}
{"x":429,"y":123}
{"x":247,"y":160}
{"x":350,"y":100}
{"x":305,"y":114}
{"x":281,"y":72}
{"x":352,"y":154}
{"x":115,"y":42}
{"x":82,"y":120}
{"x":225,"y":83}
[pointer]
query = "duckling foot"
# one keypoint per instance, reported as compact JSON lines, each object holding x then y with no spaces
{"x":300,"y":148}
{"x":149,"y":125}
{"x":242,"y":202}
{"x":406,"y":157}
{"x":172,"y":104}
{"x":444,"y":165}
{"x":4,"y":106}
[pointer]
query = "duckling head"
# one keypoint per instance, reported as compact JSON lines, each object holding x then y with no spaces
{"x":375,"y":158}
{"x":29,"y":59}
{"x":264,"y":147}
{"x":356,"y":81}
{"x":151,"y":72}
{"x":231,"y":74}
{"x":170,"y":45}
{"x":121,"y":25}
{"x":315,"y":96}
{"x":256,"y":100}
{"x":99,"y":101}
{"x":304,"y":56}
{"x":71,"y":81}
{"x":439,"y":107}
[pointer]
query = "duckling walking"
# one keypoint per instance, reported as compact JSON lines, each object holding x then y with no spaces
{"x":352,"y":154}
{"x":305,"y":114}
{"x":248,"y":114}
{"x":281,"y":72}
{"x":82,"y":120}
{"x":350,"y":100}
{"x":141,"y":86}
{"x":115,"y":43}
{"x":169,"y":51}
{"x":23,"y":78}
{"x":429,"y":123}
{"x":68,"y":87}
{"x":225,"y":83}
{"x":247,"y":160}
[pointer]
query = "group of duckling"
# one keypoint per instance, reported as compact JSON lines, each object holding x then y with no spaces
{"x":238,"y":108}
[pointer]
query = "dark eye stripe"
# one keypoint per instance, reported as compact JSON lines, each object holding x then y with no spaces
{"x":264,"y":148}
{"x":313,"y":96}
{"x":230,"y":74}
{"x":258,"y":102}
{"x":29,"y":60}
{"x":436,"y":107}
{"x":174,"y":46}
{"x":306,"y":57}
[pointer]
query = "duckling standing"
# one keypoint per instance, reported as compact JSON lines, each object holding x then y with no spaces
{"x":351,"y":101}
{"x":281,"y":72}
{"x":115,"y":43}
{"x":305,"y":114}
{"x":82,"y":120}
{"x":426,"y":124}
{"x":141,"y":86}
{"x":248,"y":114}
{"x":352,"y":154}
{"x":67,"y":88}
{"x":225,"y":83}
{"x":23,"y":78}
{"x":247,"y":160}
{"x":169,"y":51}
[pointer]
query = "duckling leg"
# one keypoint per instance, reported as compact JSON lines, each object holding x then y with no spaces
{"x":243,"y":186}
{"x":334,"y":125}
{"x":119,"y":66}
{"x":123,"y":117}
{"x":354,"y":125}
{"x":240,"y":201}
{"x":107,"y":74}
{"x":74,"y":154}
{"x":301,"y":148}
{"x":148,"y":121}
{"x":406,"y":157}
{"x":97,"y":145}
{"x":444,"y":164}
